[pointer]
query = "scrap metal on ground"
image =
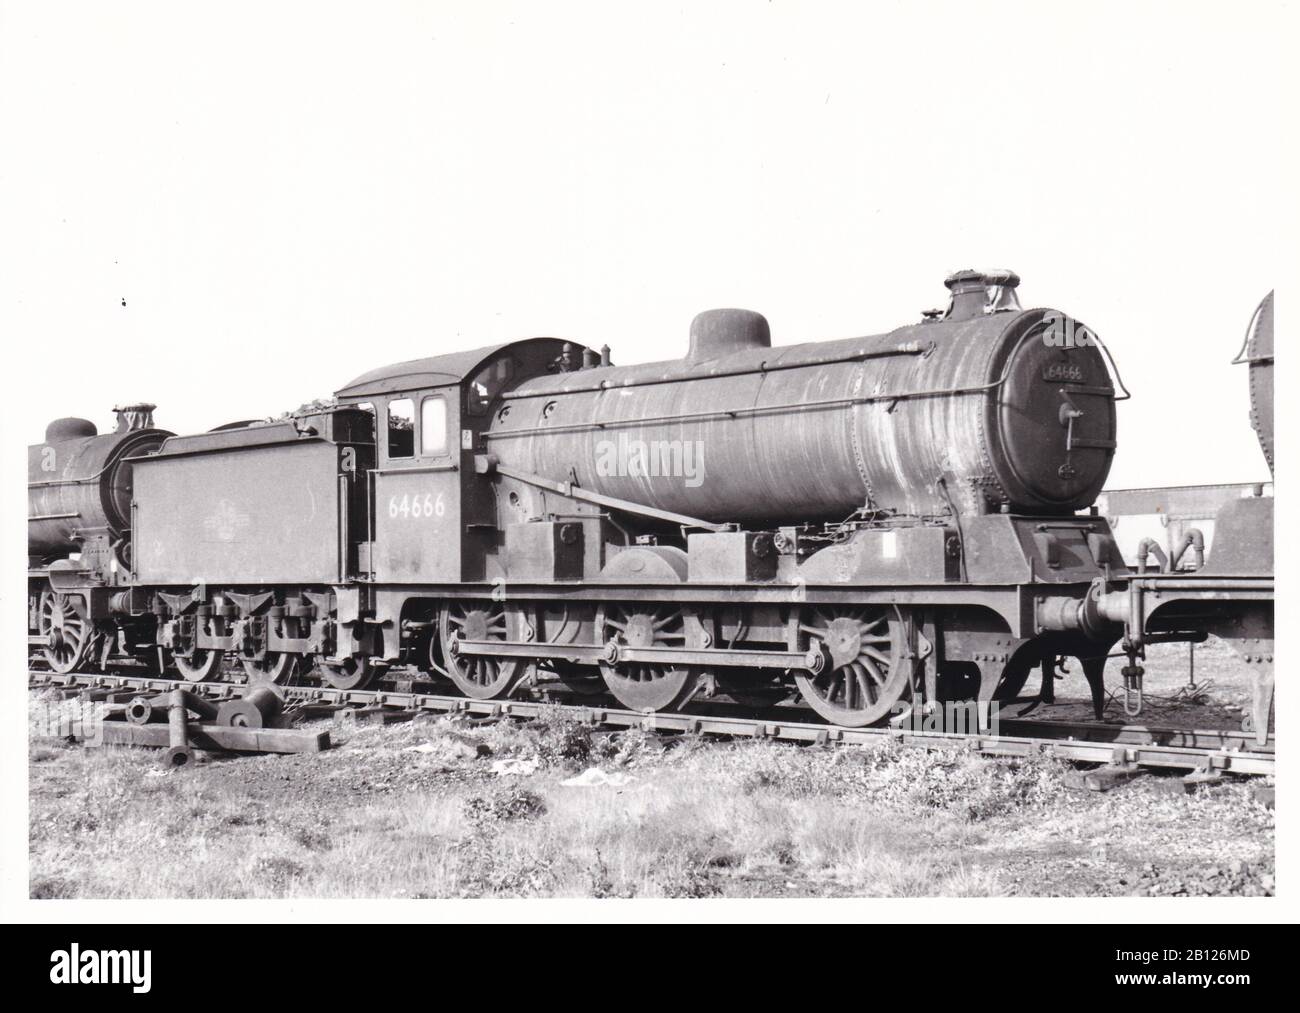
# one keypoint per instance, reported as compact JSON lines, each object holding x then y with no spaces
{"x":248,"y":723}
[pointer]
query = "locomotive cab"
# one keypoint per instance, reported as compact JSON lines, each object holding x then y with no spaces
{"x":434,"y":520}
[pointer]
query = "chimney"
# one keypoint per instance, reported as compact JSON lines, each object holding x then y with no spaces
{"x":975,"y":293}
{"x":134,"y":416}
{"x":1001,"y":288}
{"x":715,"y":333}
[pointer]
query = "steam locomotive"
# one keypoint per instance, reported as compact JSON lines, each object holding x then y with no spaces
{"x":863,"y":525}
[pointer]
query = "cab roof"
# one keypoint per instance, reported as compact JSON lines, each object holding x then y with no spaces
{"x":435,"y":371}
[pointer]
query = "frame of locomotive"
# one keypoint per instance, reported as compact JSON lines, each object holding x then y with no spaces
{"x":401,"y":524}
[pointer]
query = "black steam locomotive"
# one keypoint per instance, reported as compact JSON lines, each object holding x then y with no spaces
{"x":867,"y":523}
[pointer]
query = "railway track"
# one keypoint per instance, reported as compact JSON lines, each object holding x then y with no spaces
{"x":1123,"y":746}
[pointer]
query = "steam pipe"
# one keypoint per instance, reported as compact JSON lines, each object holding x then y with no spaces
{"x":1150,"y":547}
{"x":1196,"y":541}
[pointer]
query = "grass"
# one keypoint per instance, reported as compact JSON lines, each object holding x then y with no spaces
{"x":376,"y":817}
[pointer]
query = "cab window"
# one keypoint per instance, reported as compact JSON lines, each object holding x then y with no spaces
{"x":433,"y":426}
{"x":401,"y":428}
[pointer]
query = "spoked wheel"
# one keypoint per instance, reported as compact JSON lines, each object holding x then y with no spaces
{"x":865,"y":676}
{"x":355,"y":672}
{"x":200,"y":666}
{"x":66,"y":631}
{"x":275,"y":666}
{"x":648,"y":687}
{"x":478,"y":675}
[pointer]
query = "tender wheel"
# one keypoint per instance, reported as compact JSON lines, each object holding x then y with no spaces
{"x":644,"y":687}
{"x":477,"y":675}
{"x":276,"y":666}
{"x":865,"y":677}
{"x":200,"y":666}
{"x":66,"y":631}
{"x":356,"y":672}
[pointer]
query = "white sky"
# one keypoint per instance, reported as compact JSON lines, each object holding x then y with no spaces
{"x":287,"y":195}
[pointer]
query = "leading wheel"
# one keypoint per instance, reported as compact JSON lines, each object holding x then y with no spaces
{"x":480,"y":676}
{"x":66,"y":631}
{"x":646,"y":687}
{"x":865,"y":676}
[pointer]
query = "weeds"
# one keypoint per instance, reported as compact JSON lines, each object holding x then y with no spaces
{"x":51,"y":888}
{"x":602,"y":885}
{"x":275,"y":872}
{"x":485,"y":865}
{"x":509,"y":803}
{"x":917,"y":781}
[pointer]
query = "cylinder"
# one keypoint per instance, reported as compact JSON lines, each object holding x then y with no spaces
{"x":970,"y":414}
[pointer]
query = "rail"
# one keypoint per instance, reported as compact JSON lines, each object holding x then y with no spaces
{"x":1080,"y":742}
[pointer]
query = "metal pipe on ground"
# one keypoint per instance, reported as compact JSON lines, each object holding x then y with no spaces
{"x":201,"y":706}
{"x":144,"y":709}
{"x":140,"y":711}
{"x":178,"y":753}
